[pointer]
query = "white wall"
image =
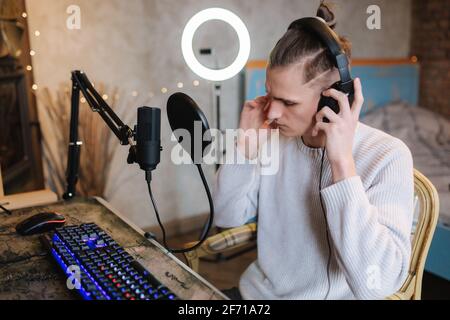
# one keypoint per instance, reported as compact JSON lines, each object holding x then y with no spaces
{"x":135,"y":45}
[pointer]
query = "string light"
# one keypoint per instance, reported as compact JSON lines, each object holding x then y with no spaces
{"x":34,"y":87}
{"x":196,"y":83}
{"x":134,"y":93}
{"x":32,"y":53}
{"x":105,"y":97}
{"x":24,"y":15}
{"x":29,"y":68}
{"x":180,"y":85}
{"x":164,"y":90}
{"x":83,"y":100}
{"x":37,"y":33}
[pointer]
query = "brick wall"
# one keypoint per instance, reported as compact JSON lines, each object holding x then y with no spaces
{"x":431,"y":44}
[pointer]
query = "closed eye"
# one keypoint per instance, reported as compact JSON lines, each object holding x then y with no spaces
{"x":287,"y":103}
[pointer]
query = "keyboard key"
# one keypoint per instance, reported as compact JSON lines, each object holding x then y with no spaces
{"x":163,"y":290}
{"x":157,"y":295}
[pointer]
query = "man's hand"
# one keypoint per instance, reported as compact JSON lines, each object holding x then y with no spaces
{"x":340,"y":132}
{"x":253,"y":118}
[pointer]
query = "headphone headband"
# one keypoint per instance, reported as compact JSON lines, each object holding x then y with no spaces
{"x":329,"y":38}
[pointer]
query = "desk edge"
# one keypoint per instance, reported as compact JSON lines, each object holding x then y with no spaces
{"x":178,"y":261}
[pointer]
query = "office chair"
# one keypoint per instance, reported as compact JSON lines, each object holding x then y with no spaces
{"x":426,"y":212}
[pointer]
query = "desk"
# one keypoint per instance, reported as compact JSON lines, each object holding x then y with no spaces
{"x":27,"y":271}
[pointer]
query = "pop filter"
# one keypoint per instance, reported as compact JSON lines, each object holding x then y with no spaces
{"x":191,"y":129}
{"x":186,"y":118}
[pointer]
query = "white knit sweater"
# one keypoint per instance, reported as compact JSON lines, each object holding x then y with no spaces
{"x":369,"y":220}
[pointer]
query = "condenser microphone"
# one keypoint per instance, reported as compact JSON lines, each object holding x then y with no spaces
{"x":148,"y":138}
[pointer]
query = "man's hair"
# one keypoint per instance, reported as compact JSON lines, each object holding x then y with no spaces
{"x":301,"y":47}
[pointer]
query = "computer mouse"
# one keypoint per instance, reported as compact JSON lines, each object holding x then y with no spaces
{"x":40,"y":223}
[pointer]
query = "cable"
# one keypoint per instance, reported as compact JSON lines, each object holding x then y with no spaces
{"x":326,"y":225}
{"x":207,"y":226}
{"x":149,"y":185}
{"x":209,"y":223}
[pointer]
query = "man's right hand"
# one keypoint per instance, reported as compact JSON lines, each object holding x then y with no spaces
{"x":253,"y":118}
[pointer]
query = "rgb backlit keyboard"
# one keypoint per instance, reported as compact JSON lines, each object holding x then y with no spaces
{"x":100,"y":269}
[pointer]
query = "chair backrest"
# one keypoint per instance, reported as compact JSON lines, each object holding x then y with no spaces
{"x":426,"y":213}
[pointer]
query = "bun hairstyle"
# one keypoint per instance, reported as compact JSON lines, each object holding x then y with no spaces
{"x":325,"y":12}
{"x":298,"y":46}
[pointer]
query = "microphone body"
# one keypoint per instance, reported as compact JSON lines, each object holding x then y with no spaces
{"x":148,"y":138}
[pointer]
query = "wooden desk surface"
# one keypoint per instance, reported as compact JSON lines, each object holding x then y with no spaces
{"x":27,"y":271}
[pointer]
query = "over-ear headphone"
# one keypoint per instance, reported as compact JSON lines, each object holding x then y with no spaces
{"x":329,"y":38}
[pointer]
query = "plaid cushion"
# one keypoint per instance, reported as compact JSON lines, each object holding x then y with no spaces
{"x":232,"y":237}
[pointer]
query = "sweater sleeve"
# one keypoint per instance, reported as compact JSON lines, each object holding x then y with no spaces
{"x":236,"y":193}
{"x":370,"y":229}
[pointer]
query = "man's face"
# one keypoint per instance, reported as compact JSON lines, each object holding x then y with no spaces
{"x":292,"y":105}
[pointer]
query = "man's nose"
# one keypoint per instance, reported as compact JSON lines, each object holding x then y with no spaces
{"x":275,"y":110}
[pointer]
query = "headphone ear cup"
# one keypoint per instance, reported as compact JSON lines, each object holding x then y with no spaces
{"x":334,"y":104}
{"x":328,"y":102}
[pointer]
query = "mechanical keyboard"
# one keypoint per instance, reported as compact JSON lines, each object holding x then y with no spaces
{"x":100,"y":269}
